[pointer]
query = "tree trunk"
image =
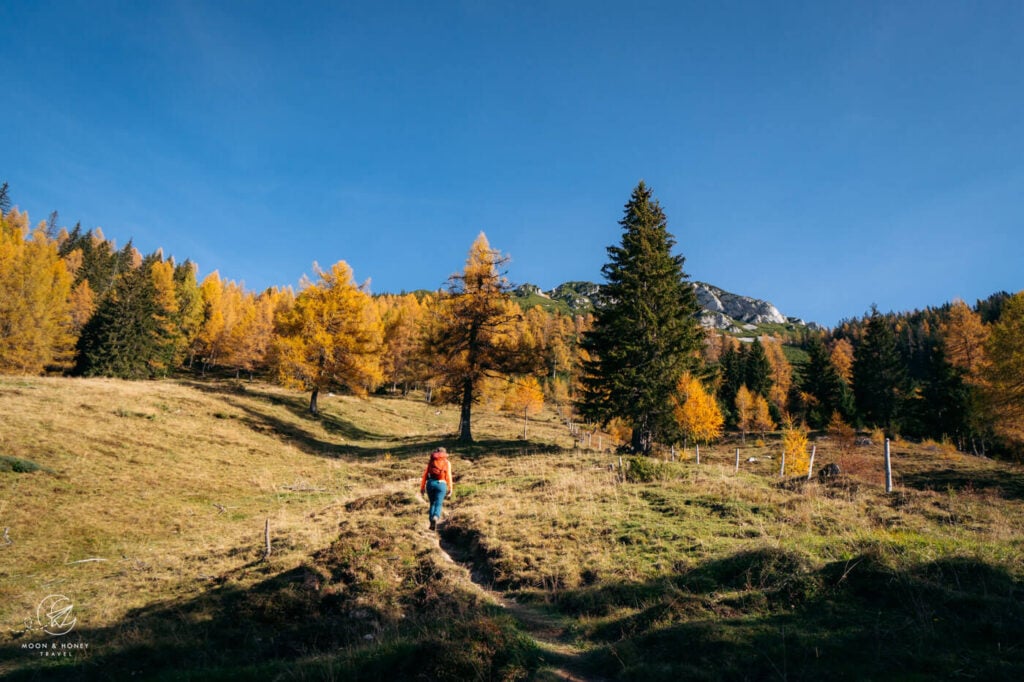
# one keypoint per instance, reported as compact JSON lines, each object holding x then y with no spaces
{"x":313,"y":409}
{"x":641,"y":442}
{"x":466,"y":414}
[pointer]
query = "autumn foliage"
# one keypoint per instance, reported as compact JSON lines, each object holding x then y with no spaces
{"x":331,"y":336}
{"x":73,"y":301}
{"x":36,"y":320}
{"x":697,"y":411}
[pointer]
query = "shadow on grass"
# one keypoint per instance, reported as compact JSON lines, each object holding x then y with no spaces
{"x":757,"y":615}
{"x":768,"y":615}
{"x":326,"y":619}
{"x":399,"y":447}
{"x":1004,"y":483}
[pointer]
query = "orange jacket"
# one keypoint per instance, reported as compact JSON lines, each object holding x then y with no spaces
{"x":447,"y":476}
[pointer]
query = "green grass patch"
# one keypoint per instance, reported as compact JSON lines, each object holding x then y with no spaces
{"x":18,"y":465}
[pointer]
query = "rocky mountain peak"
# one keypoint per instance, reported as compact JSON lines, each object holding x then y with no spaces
{"x":721,"y":309}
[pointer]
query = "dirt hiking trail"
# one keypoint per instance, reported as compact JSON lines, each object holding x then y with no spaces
{"x":561,"y":660}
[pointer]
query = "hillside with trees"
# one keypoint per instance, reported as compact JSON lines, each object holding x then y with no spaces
{"x":211,"y":529}
{"x":221,"y":484}
{"x":73,"y":302}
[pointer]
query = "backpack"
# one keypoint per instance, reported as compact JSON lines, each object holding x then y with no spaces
{"x":437,"y":469}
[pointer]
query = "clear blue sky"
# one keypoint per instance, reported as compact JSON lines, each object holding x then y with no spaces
{"x":822,"y":155}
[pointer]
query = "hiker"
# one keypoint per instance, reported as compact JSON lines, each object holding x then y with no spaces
{"x":437,"y":482}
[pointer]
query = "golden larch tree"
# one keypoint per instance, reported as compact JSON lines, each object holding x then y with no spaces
{"x":841,"y":355}
{"x":470,"y":334}
{"x":83,"y":305}
{"x":1003,"y":372}
{"x":964,"y":337}
{"x":167,"y":336}
{"x":332,"y":336}
{"x":36,"y":325}
{"x":794,"y":448}
{"x":762,"y":421}
{"x":248,"y":327}
{"x":206,"y":345}
{"x":526,"y":398}
{"x":696,"y":411}
{"x":781,"y":373}
{"x":403,"y":323}
{"x":744,"y":411}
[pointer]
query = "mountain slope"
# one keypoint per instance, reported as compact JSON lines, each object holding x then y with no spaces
{"x":722,"y":309}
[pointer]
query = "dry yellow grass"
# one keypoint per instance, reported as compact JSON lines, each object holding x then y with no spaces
{"x":155,"y":491}
{"x":170,"y":484}
{"x":156,"y":488}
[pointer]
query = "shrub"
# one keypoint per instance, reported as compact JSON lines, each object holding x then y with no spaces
{"x":19,"y":466}
{"x":647,"y":469}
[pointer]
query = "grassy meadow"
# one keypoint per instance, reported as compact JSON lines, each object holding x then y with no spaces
{"x":145,"y":504}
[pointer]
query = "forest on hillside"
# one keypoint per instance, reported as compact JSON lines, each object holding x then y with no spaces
{"x":72,"y":302}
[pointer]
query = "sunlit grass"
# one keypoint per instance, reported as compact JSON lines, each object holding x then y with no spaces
{"x":148,"y":507}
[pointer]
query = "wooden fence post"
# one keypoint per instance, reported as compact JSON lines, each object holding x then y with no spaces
{"x":737,"y":460}
{"x":782,"y":469}
{"x":888,"y":468}
{"x":266,"y":539}
{"x":698,"y":453}
{"x":810,"y":465}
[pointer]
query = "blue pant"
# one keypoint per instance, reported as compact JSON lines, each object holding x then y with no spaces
{"x":436,"y":490}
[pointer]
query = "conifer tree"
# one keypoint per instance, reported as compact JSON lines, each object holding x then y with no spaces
{"x":757,"y":370}
{"x":120,"y":339}
{"x":762,"y":416}
{"x":190,"y":308}
{"x":167,"y":335}
{"x":947,"y":404}
{"x":879,"y":374}
{"x":732,"y":373}
{"x":782,"y":376}
{"x":208,"y":340}
{"x":36,"y":323}
{"x":5,"y":199}
{"x":842,"y":358}
{"x":964,"y":337}
{"x":744,"y":411}
{"x":1004,"y":373}
{"x":403,"y":324}
{"x":468,"y":336}
{"x":823,"y":383}
{"x":332,"y":336}
{"x":697,"y":412}
{"x":526,"y":398}
{"x":98,"y":262}
{"x":646,"y":333}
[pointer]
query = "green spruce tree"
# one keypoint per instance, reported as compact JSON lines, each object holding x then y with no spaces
{"x":732,"y":370}
{"x":118,"y":340}
{"x":823,"y":383}
{"x":879,"y":375}
{"x":5,"y":200}
{"x":646,"y":333}
{"x":757,"y":369}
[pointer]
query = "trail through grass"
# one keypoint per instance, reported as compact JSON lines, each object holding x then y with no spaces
{"x":561,"y":659}
{"x":548,"y":566}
